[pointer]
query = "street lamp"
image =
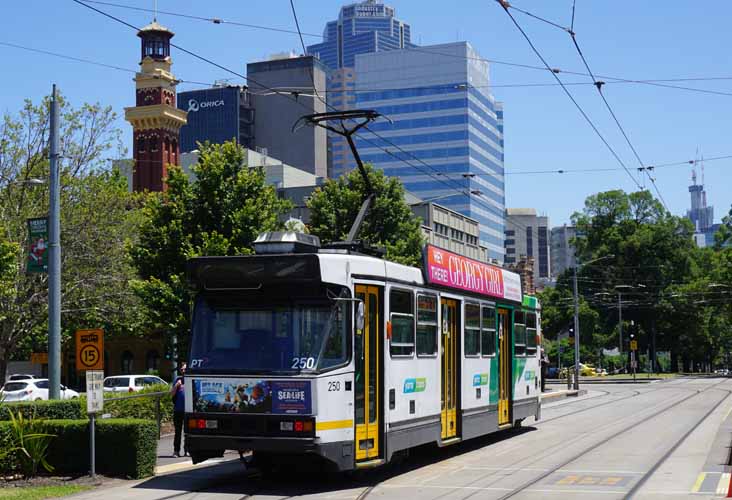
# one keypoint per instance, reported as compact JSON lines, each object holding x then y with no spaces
{"x":576,"y":318}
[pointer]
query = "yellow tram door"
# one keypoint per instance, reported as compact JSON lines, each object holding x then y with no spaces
{"x":367,"y":383}
{"x":449,"y":368}
{"x":504,"y":364}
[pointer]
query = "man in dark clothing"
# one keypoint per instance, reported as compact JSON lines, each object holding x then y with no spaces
{"x":179,"y":410}
{"x":544,"y":368}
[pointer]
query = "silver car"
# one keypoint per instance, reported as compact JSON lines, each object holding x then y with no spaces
{"x":131,"y":383}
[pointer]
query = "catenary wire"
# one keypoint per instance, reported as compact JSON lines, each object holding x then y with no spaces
{"x":502,"y":3}
{"x":219,"y":20}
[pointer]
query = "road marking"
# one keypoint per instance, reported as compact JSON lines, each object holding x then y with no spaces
{"x":723,"y":484}
{"x":333,"y":424}
{"x":179,"y":466}
{"x":698,"y":483}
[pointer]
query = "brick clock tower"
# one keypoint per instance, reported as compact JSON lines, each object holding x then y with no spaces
{"x":155,"y":119}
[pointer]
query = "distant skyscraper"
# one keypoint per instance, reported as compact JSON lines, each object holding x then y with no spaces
{"x":443,"y":113}
{"x":701,"y":215}
{"x":361,"y":28}
{"x":528,"y":234}
{"x":562,"y":251}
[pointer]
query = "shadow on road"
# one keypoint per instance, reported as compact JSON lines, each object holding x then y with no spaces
{"x":311,"y":478}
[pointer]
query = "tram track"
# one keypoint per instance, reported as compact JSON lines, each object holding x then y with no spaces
{"x":528,"y":484}
{"x":636,"y":393}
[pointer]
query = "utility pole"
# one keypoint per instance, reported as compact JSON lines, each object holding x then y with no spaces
{"x":576,"y":331}
{"x":54,"y":263}
{"x":620,"y":322}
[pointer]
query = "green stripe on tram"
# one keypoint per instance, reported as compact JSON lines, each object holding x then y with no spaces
{"x":529,"y":302}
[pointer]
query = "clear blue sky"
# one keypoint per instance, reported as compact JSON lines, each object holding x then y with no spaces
{"x":543,"y":130}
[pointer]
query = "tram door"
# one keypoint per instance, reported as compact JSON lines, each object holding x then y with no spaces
{"x":367,"y":347}
{"x":504,"y":363}
{"x":450,"y":368}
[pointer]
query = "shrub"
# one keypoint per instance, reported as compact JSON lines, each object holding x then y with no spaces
{"x":137,"y":407}
{"x":68,"y":409}
{"x":29,"y":444}
{"x":124,"y":447}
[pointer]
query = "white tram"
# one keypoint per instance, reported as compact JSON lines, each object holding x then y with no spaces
{"x":310,"y":351}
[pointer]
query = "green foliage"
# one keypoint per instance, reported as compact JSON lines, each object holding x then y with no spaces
{"x":723,"y":237}
{"x":42,"y":492}
{"x":50,"y":410}
{"x":29,"y":444}
{"x":220,"y":213}
{"x":125,"y":447}
{"x":390,"y":222}
{"x":96,"y":225}
{"x":672,"y":291}
{"x":143,"y":408}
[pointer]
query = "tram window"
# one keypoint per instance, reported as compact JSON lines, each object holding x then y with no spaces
{"x":519,"y":333}
{"x":488,"y":331}
{"x":401,"y":304}
{"x":426,"y":325}
{"x":530,"y":333}
{"x":472,"y":330}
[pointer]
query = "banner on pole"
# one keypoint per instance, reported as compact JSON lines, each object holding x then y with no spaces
{"x":37,"y":261}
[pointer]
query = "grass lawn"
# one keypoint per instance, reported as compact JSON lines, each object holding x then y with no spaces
{"x":41,"y":492}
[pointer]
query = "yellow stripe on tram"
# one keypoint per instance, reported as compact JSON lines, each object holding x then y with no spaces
{"x":333,"y":424}
{"x":698,"y":483}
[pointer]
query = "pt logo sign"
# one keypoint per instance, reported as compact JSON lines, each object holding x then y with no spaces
{"x":89,"y":350}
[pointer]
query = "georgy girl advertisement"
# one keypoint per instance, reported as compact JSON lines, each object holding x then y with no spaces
{"x":290,"y":397}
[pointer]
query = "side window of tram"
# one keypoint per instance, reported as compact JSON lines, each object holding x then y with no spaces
{"x":401,"y":306}
{"x":519,"y":333}
{"x":488,"y":331}
{"x":530,"y":333}
{"x":426,"y":325}
{"x":472,"y":329}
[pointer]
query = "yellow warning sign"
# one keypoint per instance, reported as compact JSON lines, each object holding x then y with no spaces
{"x":89,"y":349}
{"x":633,"y":345}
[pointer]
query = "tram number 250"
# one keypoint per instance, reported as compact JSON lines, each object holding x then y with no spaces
{"x":303,"y":363}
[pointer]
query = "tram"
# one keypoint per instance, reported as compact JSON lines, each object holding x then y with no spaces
{"x":303,"y":351}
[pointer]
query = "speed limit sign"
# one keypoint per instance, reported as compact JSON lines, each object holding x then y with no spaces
{"x":89,"y":350}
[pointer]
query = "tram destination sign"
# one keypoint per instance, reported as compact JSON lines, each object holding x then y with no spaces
{"x":455,"y":271}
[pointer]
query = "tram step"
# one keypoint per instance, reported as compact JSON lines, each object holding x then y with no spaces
{"x":505,"y":426}
{"x":371,"y":463}
{"x":448,"y":442}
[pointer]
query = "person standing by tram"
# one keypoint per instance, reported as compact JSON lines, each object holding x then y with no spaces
{"x":544,"y":368}
{"x":179,"y":410}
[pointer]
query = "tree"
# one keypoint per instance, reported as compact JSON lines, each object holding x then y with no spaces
{"x":723,"y":236}
{"x":96,"y":224}
{"x":390,"y":222}
{"x":221,"y":212}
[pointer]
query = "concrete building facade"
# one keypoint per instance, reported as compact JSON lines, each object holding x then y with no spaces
{"x":527,"y":234}
{"x":277,"y":112}
{"x":562,"y":251}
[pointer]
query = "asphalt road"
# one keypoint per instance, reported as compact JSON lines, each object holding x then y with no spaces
{"x":659,"y":440}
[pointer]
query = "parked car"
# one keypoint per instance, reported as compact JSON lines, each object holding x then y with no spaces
{"x":21,"y":376}
{"x":32,"y":390}
{"x":130,"y":383}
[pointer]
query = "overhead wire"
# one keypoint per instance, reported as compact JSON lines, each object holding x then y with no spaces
{"x":221,"y":21}
{"x":506,"y":7}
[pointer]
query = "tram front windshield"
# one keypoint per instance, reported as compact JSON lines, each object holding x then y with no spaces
{"x":269,"y":338}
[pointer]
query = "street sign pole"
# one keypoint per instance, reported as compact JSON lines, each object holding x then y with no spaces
{"x":94,"y":404}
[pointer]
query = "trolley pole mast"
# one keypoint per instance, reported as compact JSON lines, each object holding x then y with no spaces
{"x":576,"y":318}
{"x":54,"y":264}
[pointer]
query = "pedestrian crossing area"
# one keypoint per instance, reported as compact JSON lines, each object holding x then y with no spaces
{"x":716,"y":483}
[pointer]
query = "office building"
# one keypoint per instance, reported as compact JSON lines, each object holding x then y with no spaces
{"x":527,"y":235}
{"x":446,"y":135}
{"x":701,"y":215}
{"x":450,"y":230}
{"x":217,"y":115}
{"x":562,"y":251}
{"x":361,"y":28}
{"x":277,"y":112}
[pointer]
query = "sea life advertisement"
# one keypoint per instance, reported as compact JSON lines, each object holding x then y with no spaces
{"x":288,"y":397}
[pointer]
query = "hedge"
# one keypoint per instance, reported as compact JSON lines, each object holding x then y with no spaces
{"x":68,"y":409}
{"x":124,"y":447}
{"x":72,"y":409}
